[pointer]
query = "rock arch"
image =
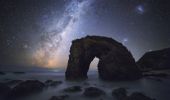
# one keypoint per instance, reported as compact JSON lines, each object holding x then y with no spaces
{"x":115,"y":61}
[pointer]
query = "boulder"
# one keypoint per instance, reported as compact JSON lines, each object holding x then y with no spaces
{"x":93,"y":92}
{"x":73,"y":89}
{"x":163,"y":75}
{"x":86,"y":83}
{"x":155,"y":60}
{"x":138,"y":96}
{"x":4,"y":91}
{"x":48,"y":81}
{"x":52,"y":83}
{"x":61,"y":97}
{"x":115,"y":61}
{"x":119,"y":93}
{"x":13,"y":82}
{"x":27,"y":88}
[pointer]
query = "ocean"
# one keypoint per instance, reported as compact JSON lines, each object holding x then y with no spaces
{"x":154,"y":87}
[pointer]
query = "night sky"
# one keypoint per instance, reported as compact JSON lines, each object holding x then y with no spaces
{"x":39,"y":32}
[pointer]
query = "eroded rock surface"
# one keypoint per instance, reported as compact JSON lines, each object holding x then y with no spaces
{"x":26,"y":88}
{"x":155,"y":60}
{"x":93,"y":92}
{"x":4,"y":91}
{"x":73,"y":89}
{"x":52,"y":83}
{"x":138,"y":96}
{"x":61,"y":97}
{"x":13,"y":82}
{"x":115,"y":61}
{"x":119,"y":93}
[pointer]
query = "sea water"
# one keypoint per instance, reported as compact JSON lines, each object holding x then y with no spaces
{"x":158,"y":88}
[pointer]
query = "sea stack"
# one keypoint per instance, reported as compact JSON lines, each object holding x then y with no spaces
{"x":155,"y":60}
{"x":115,"y":61}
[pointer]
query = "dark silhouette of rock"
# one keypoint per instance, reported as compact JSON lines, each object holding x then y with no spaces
{"x":14,"y":82}
{"x":115,"y":61}
{"x":73,"y":89}
{"x":156,"y":74}
{"x":52,"y":83}
{"x":138,"y":96}
{"x":155,"y":60}
{"x":119,"y":93}
{"x":155,"y":79}
{"x":86,"y":83}
{"x":56,"y":83}
{"x":48,"y":81}
{"x":93,"y":92}
{"x":61,"y":97}
{"x":4,"y":91}
{"x":27,"y":88}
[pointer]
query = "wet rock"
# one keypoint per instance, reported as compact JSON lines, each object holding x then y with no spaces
{"x":52,"y":83}
{"x":93,"y":92}
{"x":61,"y":97}
{"x":73,"y":89}
{"x":155,"y":60}
{"x":4,"y":91}
{"x":156,"y":74}
{"x":86,"y":83}
{"x":13,"y":82}
{"x":55,"y":83}
{"x":48,"y":81}
{"x":155,"y":79}
{"x":138,"y":96}
{"x":120,"y":93}
{"x":115,"y":61}
{"x":27,"y":88}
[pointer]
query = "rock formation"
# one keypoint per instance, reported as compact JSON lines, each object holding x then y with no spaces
{"x":121,"y":94}
{"x":52,"y":83}
{"x":59,"y":97}
{"x":138,"y":96}
{"x":73,"y":89}
{"x":4,"y":91}
{"x":115,"y":61}
{"x":154,"y":60}
{"x":93,"y":92}
{"x":26,"y":88}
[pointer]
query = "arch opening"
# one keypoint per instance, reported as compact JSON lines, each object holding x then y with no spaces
{"x":93,"y":66}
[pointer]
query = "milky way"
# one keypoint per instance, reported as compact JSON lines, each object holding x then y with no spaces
{"x":47,"y":52}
